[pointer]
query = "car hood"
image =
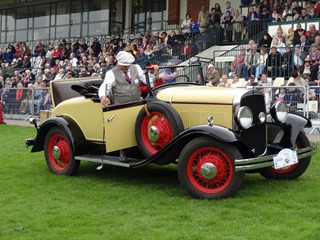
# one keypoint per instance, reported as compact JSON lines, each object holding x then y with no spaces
{"x":201,"y":94}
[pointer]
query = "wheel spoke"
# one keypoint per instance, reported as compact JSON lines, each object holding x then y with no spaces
{"x":219,"y":160}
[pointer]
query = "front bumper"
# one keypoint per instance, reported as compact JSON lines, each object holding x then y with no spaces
{"x":30,"y":141}
{"x":267,"y":161}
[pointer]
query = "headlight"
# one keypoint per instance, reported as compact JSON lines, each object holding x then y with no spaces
{"x":245,"y":117}
{"x":279,"y":111}
{"x":262,"y":117}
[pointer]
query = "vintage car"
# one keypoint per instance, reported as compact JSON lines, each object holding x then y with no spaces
{"x":214,"y":135}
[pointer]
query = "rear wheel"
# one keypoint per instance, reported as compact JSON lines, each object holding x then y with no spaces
{"x":59,"y":152}
{"x":156,"y":127}
{"x":206,"y":169}
{"x":294,"y":171}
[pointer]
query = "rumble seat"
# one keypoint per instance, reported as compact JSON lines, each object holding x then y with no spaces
{"x":61,"y":89}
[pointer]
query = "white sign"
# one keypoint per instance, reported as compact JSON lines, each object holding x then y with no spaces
{"x":224,"y":59}
{"x":286,"y":157}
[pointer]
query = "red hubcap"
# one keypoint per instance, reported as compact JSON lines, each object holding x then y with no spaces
{"x":162,"y":124}
{"x":59,"y":152}
{"x":222,"y":164}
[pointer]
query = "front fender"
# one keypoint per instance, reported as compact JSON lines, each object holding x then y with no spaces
{"x":46,"y":126}
{"x":293,"y":124}
{"x":172,"y":150}
{"x":297,"y":123}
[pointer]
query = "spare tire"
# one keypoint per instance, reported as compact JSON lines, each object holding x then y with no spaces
{"x":156,"y":125}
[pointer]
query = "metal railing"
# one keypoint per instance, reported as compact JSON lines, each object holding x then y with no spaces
{"x":24,"y":102}
{"x":279,"y":65}
{"x":305,"y":101}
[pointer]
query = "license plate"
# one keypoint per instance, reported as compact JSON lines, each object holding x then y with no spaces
{"x":285,"y":158}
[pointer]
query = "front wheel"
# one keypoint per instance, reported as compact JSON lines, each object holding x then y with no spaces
{"x":206,"y":169}
{"x":294,"y":171}
{"x":59,"y":152}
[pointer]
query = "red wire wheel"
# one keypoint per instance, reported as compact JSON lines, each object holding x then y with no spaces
{"x":206,"y":169}
{"x":59,"y":152}
{"x":156,"y":127}
{"x":293,"y":171}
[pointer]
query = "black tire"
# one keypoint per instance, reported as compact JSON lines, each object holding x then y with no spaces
{"x":293,"y":171}
{"x":59,"y":152}
{"x":165,"y":119}
{"x":202,"y":152}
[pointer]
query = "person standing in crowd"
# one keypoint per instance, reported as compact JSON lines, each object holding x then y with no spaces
{"x":238,"y":25}
{"x":229,"y":8}
{"x":215,"y":18}
{"x":203,"y":17}
{"x":194,"y":26}
{"x":96,"y":46}
{"x":185,"y":25}
{"x":227,"y":21}
{"x":217,"y":7}
{"x":186,"y":50}
{"x":251,"y":18}
{"x":265,"y":9}
{"x":122,"y":83}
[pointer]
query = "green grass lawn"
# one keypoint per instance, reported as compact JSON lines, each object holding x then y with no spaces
{"x":146,"y":203}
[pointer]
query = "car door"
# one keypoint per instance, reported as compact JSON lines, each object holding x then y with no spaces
{"x":119,"y":125}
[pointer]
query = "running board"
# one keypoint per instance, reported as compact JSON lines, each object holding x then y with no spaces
{"x":112,"y":160}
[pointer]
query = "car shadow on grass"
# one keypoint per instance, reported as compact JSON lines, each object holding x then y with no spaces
{"x":148,"y":175}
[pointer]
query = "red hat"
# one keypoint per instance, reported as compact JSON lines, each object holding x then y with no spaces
{"x":150,"y":66}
